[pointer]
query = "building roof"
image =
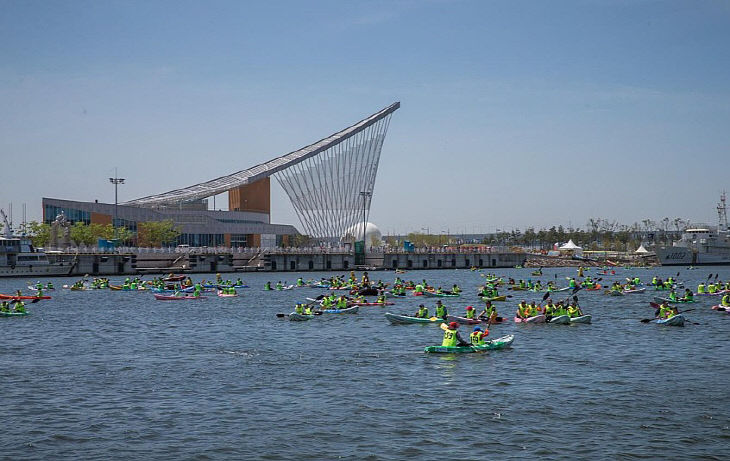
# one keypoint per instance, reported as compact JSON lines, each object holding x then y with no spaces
{"x":225,"y":183}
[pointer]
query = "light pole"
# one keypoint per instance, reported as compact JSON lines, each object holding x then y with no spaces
{"x":365,"y":195}
{"x":116,"y":181}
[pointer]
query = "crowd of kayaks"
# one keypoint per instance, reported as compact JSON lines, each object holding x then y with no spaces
{"x":347,"y":295}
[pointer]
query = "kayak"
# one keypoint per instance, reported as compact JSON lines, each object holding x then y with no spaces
{"x":498,"y":343}
{"x":494,"y":298}
{"x":466,"y":321}
{"x":635,"y":290}
{"x":721,"y":308}
{"x":17,"y":298}
{"x":660,"y":300}
{"x":177,"y":298}
{"x":534,"y":319}
{"x":227,"y":295}
{"x":387,"y":303}
{"x":582,"y":319}
{"x":431,"y":294}
{"x":13,"y":314}
{"x":347,"y":310}
{"x":300,"y":317}
{"x":717,"y":293}
{"x":518,"y":288}
{"x":557,"y":290}
{"x":594,"y":288}
{"x":405,"y":319}
{"x":173,"y":278}
{"x":674,"y":321}
{"x":560,"y":320}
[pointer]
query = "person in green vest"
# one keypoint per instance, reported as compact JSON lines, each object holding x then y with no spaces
{"x":688,"y":296}
{"x":267,"y":286}
{"x":5,"y":306}
{"x":574,"y":310}
{"x":341,"y":303}
{"x":489,"y":313}
{"x":725,"y":300}
{"x":299,"y":309}
{"x":673,"y":295}
{"x":308,"y":310}
{"x":549,"y":309}
{"x":19,"y":307}
{"x":279,"y":285}
{"x":477,"y":336}
{"x":534,"y":309}
{"x":456,"y":290}
{"x":470,"y":314}
{"x":452,"y":338}
{"x":422,"y":312}
{"x":441,"y":310}
{"x":523,"y":310}
{"x":300,"y":282}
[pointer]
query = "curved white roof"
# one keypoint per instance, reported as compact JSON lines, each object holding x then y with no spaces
{"x":224,"y":183}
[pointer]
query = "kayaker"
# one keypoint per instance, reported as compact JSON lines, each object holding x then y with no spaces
{"x":380,"y":299}
{"x":308,"y":310}
{"x":341,"y":303}
{"x":300,"y":282}
{"x":5,"y":306}
{"x":365,"y":279}
{"x":452,"y":338}
{"x":441,"y":310}
{"x":469,"y":312}
{"x":574,"y":310}
{"x":549,"y":309}
{"x":422,"y":312}
{"x":456,"y":290}
{"x":299,"y":309}
{"x":279,"y":285}
{"x":267,"y":286}
{"x":19,"y":306}
{"x":523,"y":310}
{"x":489,"y":313}
{"x":688,"y":295}
{"x":673,"y":295}
{"x":49,"y":286}
{"x":534,"y":309}
{"x":725,"y":300}
{"x":239,"y":282}
{"x":477,"y":336}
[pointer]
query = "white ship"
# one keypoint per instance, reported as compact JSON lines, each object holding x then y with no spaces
{"x":18,"y":257}
{"x":700,"y":245}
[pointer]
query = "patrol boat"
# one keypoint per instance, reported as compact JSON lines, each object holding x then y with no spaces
{"x":700,"y":245}
{"x":18,"y":257}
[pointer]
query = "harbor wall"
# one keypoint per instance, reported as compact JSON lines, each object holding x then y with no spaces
{"x":161,"y":262}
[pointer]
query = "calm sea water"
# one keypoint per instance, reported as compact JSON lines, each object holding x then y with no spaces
{"x":118,"y":375}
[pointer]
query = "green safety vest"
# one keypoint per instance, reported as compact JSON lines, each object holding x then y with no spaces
{"x":449,"y":338}
{"x":422,"y":313}
{"x":476,"y":338}
{"x":470,"y":314}
{"x":440,"y":311}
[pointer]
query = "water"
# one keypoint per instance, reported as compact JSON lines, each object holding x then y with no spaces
{"x":103,"y":375}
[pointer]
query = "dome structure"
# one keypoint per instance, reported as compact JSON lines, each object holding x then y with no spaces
{"x":373,"y":236}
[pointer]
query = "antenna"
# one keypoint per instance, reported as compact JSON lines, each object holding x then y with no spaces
{"x":722,"y":214}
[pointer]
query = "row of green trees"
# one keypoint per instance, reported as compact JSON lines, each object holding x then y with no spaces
{"x":599,"y":234}
{"x":149,"y":234}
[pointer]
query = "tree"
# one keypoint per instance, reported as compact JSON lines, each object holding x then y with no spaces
{"x":157,"y":233}
{"x":81,"y":234}
{"x":39,"y":233}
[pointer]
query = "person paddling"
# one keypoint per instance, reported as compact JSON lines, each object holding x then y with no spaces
{"x":441,"y":311}
{"x":452,"y":338}
{"x":422,"y":312}
{"x":477,"y":336}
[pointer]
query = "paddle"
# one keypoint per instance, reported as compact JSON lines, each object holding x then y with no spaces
{"x":688,"y":310}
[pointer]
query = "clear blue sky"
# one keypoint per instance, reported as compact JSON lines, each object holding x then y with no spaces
{"x":514,"y":113}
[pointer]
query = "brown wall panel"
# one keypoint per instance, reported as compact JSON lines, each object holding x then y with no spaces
{"x":251,"y":197}
{"x":100,"y":218}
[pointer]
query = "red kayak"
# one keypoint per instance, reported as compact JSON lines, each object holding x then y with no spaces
{"x":173,"y":278}
{"x":17,"y":298}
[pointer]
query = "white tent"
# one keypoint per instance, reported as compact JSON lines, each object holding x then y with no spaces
{"x":570,"y":246}
{"x":641,"y":250}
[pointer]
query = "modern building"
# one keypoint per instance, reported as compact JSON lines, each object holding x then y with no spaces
{"x":330,"y":184}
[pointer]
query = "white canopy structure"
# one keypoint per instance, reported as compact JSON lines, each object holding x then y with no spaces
{"x":570,"y":246}
{"x":641,"y":250}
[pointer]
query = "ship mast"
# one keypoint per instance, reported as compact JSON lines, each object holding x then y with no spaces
{"x":8,"y":232}
{"x":722,"y":214}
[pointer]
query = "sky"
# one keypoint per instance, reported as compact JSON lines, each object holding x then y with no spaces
{"x":513,"y":113}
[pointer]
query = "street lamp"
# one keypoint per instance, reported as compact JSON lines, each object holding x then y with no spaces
{"x":116,"y":181}
{"x":365,"y":195}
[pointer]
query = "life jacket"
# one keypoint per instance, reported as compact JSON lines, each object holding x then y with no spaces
{"x":470,"y":314}
{"x":449,"y":338}
{"x":476,"y":338}
{"x":441,"y":311}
